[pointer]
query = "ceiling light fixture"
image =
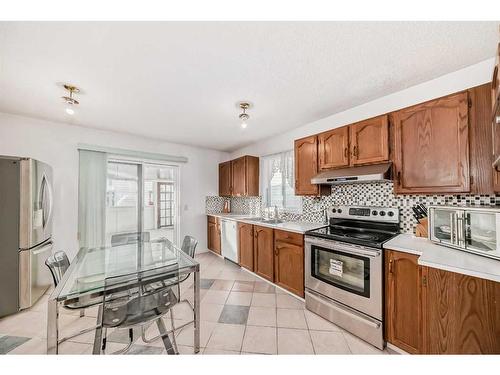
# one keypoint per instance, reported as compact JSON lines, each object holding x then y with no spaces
{"x":244,"y":116}
{"x":70,"y":101}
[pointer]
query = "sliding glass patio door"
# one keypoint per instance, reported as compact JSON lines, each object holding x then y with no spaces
{"x":141,"y":198}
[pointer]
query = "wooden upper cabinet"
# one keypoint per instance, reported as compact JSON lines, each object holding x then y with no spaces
{"x":263,"y":248}
{"x":333,"y":148}
{"x":289,"y":261}
{"x":370,"y":141}
{"x":225,"y":179}
{"x":238,"y":177}
{"x":241,"y":175}
{"x":403,"y":290}
{"x":480,"y":141}
{"x":306,"y":165}
{"x":245,"y":245}
{"x":431,"y":146}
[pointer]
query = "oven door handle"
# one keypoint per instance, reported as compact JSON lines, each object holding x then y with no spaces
{"x":334,"y":245}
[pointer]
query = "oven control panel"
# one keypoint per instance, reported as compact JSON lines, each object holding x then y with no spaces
{"x":386,"y":214}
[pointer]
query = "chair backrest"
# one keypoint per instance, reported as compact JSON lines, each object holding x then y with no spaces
{"x":139,"y":297}
{"x":57,"y":263}
{"x":129,"y":238}
{"x":189,"y":245}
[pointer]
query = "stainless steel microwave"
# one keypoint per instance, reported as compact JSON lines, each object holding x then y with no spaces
{"x":472,"y":229}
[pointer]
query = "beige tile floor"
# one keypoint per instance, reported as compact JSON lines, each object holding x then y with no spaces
{"x":240,"y":314}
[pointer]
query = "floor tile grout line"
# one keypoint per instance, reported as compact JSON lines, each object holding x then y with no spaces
{"x":309,"y":333}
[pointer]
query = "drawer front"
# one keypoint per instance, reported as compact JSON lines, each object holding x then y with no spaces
{"x":290,"y":237}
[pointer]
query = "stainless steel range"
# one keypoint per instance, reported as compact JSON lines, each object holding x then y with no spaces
{"x":344,"y":268}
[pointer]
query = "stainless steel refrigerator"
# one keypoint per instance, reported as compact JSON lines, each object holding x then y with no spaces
{"x":25,"y":232}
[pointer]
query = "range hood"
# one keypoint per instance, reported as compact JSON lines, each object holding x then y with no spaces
{"x":362,"y":174}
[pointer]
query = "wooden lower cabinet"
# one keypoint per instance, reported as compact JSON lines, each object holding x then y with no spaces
{"x":213,"y":234}
{"x":263,"y":249}
{"x":245,"y":245}
{"x":276,"y":255}
{"x":461,"y":314}
{"x":431,"y":311}
{"x":403,"y":293}
{"x":289,"y":261}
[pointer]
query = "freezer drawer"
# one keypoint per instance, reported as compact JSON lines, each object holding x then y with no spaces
{"x":34,"y":276}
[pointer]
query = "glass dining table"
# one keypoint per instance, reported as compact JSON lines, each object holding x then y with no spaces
{"x":83,"y":282}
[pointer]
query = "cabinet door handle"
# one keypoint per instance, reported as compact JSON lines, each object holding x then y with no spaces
{"x":398,"y":178}
{"x":346,"y":152}
{"x":355,"y":151}
{"x":390,"y":266}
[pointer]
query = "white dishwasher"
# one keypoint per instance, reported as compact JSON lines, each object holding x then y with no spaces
{"x":229,"y":240}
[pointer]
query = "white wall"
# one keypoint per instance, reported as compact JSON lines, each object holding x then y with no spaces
{"x":56,"y":144}
{"x":471,"y":76}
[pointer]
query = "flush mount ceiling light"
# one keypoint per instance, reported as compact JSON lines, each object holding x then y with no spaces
{"x":69,"y":100}
{"x":244,"y":116}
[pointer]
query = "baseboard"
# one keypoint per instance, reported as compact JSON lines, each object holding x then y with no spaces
{"x":394,"y":348}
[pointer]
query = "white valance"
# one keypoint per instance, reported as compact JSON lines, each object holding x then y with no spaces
{"x":133,"y":153}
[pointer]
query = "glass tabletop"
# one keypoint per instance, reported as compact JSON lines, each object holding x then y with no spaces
{"x":91,"y":267}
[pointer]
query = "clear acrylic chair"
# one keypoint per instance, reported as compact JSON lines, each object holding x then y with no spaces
{"x":58,"y":263}
{"x":189,"y":247}
{"x":129,"y":238}
{"x":137,"y":300}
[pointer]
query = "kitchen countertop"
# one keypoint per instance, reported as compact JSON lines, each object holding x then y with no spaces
{"x":445,"y":258}
{"x":290,"y":226}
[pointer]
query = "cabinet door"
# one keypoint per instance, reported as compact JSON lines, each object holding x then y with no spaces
{"x":306,"y":165}
{"x":496,"y":147}
{"x":403,"y":301}
{"x":252,"y":176}
{"x":245,"y":245}
{"x":238,"y":177}
{"x":431,"y":146}
{"x":370,"y":141}
{"x":461,"y":314}
{"x":480,"y":140}
{"x":333,"y":148}
{"x":225,"y":179}
{"x":213,"y":234}
{"x":263,"y":252}
{"x":289,"y":266}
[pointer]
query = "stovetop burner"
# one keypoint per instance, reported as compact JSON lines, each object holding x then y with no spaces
{"x":349,"y":226}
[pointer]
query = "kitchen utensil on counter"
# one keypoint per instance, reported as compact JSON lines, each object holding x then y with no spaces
{"x":422,"y":228}
{"x":420,"y":213}
{"x":227,"y":207}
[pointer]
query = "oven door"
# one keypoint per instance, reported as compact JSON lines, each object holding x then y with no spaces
{"x":349,"y":274}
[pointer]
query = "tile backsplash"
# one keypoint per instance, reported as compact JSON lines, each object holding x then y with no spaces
{"x":375,"y":194}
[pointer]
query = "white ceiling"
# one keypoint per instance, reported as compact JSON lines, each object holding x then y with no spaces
{"x":179,"y":81}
